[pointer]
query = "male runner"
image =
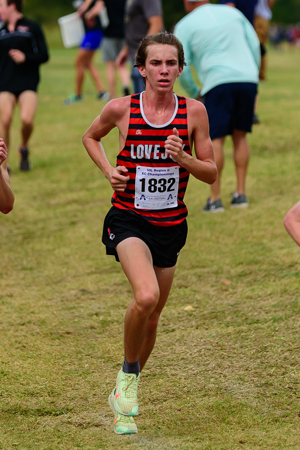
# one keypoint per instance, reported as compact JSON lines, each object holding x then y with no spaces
{"x":22,"y":50}
{"x":146,"y":227}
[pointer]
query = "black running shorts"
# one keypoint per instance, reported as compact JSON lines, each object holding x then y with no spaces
{"x":164,"y":243}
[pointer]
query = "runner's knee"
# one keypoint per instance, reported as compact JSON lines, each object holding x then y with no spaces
{"x":146,"y":300}
{"x":26,"y":122}
{"x":6,"y":121}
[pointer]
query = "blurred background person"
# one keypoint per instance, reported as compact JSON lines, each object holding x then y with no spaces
{"x":224,"y":49}
{"x":277,"y":35}
{"x":89,"y":11}
{"x":292,"y":223}
{"x":263,"y":15}
{"x":247,"y":7}
{"x":142,"y":18}
{"x":22,"y":50}
{"x":113,"y":42}
{"x":6,"y":194}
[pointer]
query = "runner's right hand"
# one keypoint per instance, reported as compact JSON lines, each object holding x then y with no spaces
{"x":118,"y":179}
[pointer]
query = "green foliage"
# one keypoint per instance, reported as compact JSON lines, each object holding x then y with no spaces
{"x":173,"y":11}
{"x":286,"y":11}
{"x":47,"y":11}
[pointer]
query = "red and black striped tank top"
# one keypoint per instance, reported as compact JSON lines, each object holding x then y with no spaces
{"x":157,"y":184}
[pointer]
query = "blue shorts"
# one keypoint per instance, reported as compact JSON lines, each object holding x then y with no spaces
{"x":92,"y":40}
{"x":230,"y":107}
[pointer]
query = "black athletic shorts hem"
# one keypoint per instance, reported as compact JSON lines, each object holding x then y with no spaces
{"x":164,"y":243}
{"x":17,"y":93}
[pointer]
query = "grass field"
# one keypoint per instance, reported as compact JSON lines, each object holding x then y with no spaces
{"x":224,"y":374}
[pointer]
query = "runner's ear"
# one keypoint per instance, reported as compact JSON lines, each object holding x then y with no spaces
{"x":179,"y":71}
{"x":141,"y":69}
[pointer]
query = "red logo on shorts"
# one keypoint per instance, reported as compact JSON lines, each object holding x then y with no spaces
{"x":110,"y":234}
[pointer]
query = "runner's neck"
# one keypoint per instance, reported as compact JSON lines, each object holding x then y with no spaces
{"x":157,"y":109}
{"x":11,"y":25}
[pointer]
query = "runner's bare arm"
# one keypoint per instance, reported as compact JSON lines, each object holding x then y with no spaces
{"x":6,"y":194}
{"x":114,"y":114}
{"x":292,"y":222}
{"x":203,"y":166}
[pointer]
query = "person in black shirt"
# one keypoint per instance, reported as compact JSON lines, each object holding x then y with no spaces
{"x":113,"y":42}
{"x":22,"y":50}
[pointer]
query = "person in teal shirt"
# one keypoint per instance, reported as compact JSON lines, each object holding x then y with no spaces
{"x":224,"y":49}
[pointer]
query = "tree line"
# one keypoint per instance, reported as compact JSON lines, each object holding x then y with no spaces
{"x":48,"y":11}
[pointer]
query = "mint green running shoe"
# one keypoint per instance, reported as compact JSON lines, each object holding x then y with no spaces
{"x":73,"y":98}
{"x":122,"y":424}
{"x":125,"y":401}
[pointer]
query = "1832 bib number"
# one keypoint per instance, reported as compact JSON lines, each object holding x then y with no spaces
{"x":156,"y":187}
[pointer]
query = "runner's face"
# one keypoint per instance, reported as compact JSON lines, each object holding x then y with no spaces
{"x":161,"y":68}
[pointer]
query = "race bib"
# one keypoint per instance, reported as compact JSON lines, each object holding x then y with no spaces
{"x":156,"y":187}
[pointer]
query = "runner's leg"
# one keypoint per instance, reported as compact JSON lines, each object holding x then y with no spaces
{"x":124,"y":76}
{"x":218,"y":144}
{"x":136,"y":260}
{"x":94,"y":71}
{"x":7,"y":104}
{"x":165,"y":278}
{"x":80,"y":65}
{"x":28,"y":101}
{"x":241,"y":159}
{"x":111,"y":78}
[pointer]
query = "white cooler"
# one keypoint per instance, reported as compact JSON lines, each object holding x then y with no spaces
{"x":72,"y":30}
